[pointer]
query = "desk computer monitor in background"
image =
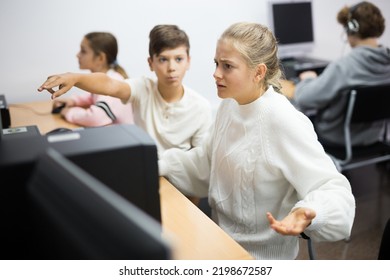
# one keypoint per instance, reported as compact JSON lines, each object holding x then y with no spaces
{"x":78,"y":217}
{"x":292,"y":24}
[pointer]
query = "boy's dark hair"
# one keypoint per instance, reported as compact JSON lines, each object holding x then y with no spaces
{"x":167,"y":36}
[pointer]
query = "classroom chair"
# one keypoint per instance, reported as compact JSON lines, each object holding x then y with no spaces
{"x":366,"y":104}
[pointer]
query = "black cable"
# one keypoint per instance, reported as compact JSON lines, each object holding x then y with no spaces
{"x":309,"y":245}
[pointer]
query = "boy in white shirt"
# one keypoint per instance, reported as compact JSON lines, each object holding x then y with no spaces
{"x":171,"y":113}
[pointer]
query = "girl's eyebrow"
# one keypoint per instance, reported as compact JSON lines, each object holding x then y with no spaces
{"x":223,"y":60}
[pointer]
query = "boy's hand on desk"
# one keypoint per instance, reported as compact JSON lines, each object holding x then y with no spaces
{"x":64,"y":82}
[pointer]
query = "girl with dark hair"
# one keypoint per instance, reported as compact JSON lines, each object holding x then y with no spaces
{"x":98,"y":53}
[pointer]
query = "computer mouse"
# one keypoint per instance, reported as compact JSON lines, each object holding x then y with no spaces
{"x":57,"y":110}
{"x":59,"y":130}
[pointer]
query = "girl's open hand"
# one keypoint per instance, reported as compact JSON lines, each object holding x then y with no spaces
{"x":294,"y":223}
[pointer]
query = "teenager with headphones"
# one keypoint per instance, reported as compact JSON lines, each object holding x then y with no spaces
{"x":368,"y":63}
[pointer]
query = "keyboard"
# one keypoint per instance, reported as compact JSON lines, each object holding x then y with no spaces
{"x":293,"y":66}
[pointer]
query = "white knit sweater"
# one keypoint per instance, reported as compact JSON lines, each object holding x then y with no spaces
{"x":264,"y":156}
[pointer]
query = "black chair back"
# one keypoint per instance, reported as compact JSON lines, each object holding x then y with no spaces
{"x":366,"y":104}
{"x":371,"y":103}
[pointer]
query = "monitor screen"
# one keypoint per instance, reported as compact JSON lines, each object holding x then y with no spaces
{"x":292,"y":24}
{"x":75,"y":216}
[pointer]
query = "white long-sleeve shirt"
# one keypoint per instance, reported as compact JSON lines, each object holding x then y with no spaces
{"x":264,"y":156}
{"x":182,"y":124}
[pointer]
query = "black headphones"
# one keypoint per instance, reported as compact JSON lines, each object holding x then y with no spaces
{"x":352,"y":26}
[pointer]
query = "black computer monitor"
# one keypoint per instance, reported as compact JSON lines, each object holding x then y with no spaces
{"x":1,"y":128}
{"x":4,"y":112}
{"x":75,"y":216}
{"x":123,"y":157}
{"x":292,"y":23}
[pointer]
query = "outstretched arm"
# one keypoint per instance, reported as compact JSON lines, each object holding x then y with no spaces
{"x":98,"y":83}
{"x":294,"y":223}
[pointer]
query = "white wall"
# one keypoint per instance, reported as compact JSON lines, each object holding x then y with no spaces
{"x":42,"y":37}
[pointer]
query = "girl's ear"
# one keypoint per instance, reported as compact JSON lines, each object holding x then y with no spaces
{"x":102,"y":57}
{"x":261,"y":70}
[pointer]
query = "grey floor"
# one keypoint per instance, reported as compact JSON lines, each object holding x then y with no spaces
{"x":371,"y":187}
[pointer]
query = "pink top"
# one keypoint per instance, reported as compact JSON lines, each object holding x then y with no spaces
{"x":99,"y":110}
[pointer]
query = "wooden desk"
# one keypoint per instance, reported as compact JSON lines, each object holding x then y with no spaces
{"x":192,"y":234}
{"x":39,"y":114}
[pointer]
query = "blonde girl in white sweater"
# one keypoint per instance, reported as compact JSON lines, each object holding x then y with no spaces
{"x":266,"y":176}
